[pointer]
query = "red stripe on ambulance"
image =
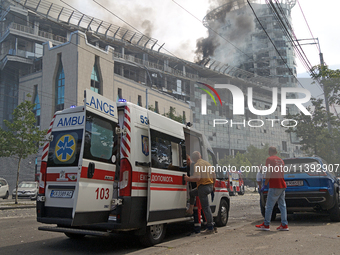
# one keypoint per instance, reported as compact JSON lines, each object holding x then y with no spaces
{"x":166,"y":189}
{"x":166,"y":179}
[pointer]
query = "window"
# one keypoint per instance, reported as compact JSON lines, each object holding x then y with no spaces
{"x":167,"y":152}
{"x":119,"y":94}
{"x":60,"y":87}
{"x":139,"y":100}
{"x":65,"y":148}
{"x":156,"y":107}
{"x":36,"y":109}
{"x":99,"y":139}
{"x":95,"y":81}
{"x":284,"y":145}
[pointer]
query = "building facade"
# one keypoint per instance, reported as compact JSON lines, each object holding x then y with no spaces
{"x":54,"y":54}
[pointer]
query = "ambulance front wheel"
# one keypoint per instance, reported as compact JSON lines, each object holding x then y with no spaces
{"x":223,"y":213}
{"x":154,"y":235}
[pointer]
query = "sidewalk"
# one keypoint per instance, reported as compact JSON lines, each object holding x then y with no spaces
{"x":8,"y":204}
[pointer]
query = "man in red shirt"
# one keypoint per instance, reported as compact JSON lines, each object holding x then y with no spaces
{"x":276,"y":192}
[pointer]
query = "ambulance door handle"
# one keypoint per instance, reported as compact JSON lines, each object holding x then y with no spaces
{"x":90,"y":170}
{"x":183,"y":181}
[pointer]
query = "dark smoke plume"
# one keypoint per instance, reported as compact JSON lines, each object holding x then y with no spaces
{"x":228,"y":24}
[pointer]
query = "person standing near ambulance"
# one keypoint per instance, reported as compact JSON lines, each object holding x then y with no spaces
{"x":276,"y":193}
{"x":205,"y":180}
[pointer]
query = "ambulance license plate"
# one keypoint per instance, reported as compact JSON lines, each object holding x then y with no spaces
{"x":62,"y":193}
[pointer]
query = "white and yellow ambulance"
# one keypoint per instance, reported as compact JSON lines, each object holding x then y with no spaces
{"x":110,"y":167}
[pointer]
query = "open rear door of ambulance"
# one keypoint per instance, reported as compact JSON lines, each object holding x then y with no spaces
{"x":94,"y":189}
{"x":167,"y":193}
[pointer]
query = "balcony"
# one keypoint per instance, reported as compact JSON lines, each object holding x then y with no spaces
{"x":15,"y":27}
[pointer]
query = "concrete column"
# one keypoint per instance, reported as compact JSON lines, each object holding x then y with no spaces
{"x":36,"y":27}
{"x":16,"y":45}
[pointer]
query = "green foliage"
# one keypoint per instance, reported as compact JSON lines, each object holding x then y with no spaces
{"x":171,"y":115}
{"x":237,"y":161}
{"x":330,"y":80}
{"x":257,"y":156}
{"x":23,"y":137}
{"x":151,"y":108}
{"x":253,"y":157}
{"x":312,"y":130}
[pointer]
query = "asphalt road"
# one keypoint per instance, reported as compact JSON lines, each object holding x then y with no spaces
{"x":308,"y":234}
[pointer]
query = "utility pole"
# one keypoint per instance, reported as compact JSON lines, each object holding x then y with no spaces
{"x":325,"y":93}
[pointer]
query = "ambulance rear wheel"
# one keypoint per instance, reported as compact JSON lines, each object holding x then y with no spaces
{"x":223,"y":213}
{"x":154,"y":235}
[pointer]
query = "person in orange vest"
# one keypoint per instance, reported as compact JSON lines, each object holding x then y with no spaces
{"x":205,"y":185}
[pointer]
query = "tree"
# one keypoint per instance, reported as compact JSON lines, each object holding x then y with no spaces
{"x":257,"y":156}
{"x":237,"y":161}
{"x":22,"y":137}
{"x":330,"y":80}
{"x":313,"y":132}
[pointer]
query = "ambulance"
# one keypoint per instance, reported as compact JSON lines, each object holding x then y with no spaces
{"x":117,"y":167}
{"x":235,"y":183}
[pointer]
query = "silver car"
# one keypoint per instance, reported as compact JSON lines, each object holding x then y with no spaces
{"x":4,"y":189}
{"x":27,"y":189}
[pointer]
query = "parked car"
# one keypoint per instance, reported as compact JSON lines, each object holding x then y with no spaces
{"x":27,"y":189}
{"x":4,"y":189}
{"x":311,"y":187}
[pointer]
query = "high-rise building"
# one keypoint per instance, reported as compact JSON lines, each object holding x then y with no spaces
{"x":258,"y":43}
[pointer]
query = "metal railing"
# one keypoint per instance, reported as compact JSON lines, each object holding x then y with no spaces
{"x":41,"y":33}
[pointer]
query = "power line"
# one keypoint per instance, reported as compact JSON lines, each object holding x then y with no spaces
{"x":308,"y":26}
{"x":294,"y":42}
{"x":289,"y":69}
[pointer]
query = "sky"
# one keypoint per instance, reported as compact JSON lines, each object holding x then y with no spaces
{"x":179,"y":28}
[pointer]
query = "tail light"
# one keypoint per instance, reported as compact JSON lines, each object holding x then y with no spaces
{"x":125,"y":178}
{"x":42,"y":181}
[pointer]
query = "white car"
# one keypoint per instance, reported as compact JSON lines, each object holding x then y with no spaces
{"x":27,"y":189}
{"x":4,"y":189}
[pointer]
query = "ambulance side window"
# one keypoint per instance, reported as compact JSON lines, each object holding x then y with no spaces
{"x":166,"y":151}
{"x":99,"y":138}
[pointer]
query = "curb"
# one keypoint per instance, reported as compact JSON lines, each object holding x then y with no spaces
{"x":16,"y":207}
